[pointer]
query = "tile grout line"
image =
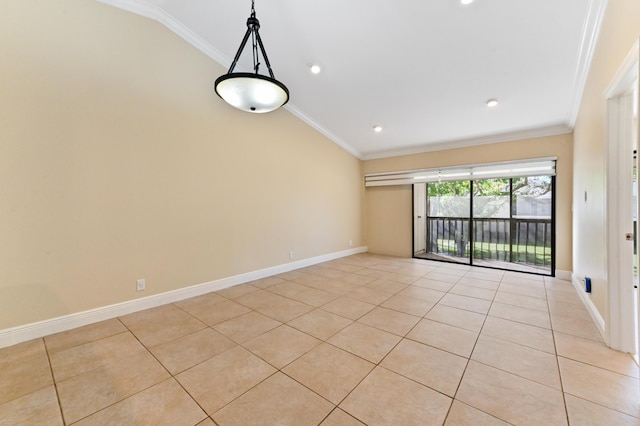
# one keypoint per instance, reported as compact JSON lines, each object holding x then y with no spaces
{"x":375,"y":365}
{"x":378,"y":364}
{"x":280,"y":370}
{"x":464,"y":372}
{"x":277,"y":370}
{"x":210,"y":416}
{"x":171,"y":376}
{"x":557,"y":356}
{"x":53,"y":379}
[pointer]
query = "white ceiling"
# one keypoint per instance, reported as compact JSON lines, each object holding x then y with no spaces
{"x":421,"y":69}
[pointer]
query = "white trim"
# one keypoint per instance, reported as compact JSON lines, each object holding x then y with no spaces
{"x":625,"y":74}
{"x":590,"y":34}
{"x":332,"y":137}
{"x":504,"y":169}
{"x":591,"y":308}
{"x":139,"y":7}
{"x":564,"y":275}
{"x":552,"y":130}
{"x":156,"y":13}
{"x":619,"y":310}
{"x":23,"y":333}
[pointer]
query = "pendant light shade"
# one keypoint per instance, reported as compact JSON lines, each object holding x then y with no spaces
{"x":252,"y":92}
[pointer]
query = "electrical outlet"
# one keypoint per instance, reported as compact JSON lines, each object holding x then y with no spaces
{"x":350,"y":243}
{"x":291,"y":254}
{"x":141,"y":284}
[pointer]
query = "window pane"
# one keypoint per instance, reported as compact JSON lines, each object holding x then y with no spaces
{"x":448,"y":220}
{"x":532,"y":197}
{"x":449,"y":199}
{"x":491,"y":198}
{"x":532,"y":230}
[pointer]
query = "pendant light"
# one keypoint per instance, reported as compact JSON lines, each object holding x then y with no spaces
{"x":252,"y":92}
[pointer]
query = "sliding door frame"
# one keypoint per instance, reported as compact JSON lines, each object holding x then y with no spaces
{"x":471,"y":258}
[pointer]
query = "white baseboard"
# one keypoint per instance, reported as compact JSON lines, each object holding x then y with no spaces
{"x":563,"y":275}
{"x":593,"y":311}
{"x":23,"y":333}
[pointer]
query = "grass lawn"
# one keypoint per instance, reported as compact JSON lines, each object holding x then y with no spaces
{"x":529,"y":255}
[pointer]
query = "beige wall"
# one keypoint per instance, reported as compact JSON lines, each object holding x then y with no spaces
{"x":620,"y":29}
{"x":119,"y":162}
{"x":388,"y":209}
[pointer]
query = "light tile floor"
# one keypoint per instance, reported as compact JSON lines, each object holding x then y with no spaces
{"x":361,"y":340}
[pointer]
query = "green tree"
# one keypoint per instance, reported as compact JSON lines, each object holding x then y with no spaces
{"x":458,"y":188}
{"x":532,"y":186}
{"x":491,"y":187}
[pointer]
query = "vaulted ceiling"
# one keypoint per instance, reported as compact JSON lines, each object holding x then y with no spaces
{"x":421,"y":70}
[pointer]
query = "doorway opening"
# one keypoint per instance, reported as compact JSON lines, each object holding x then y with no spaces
{"x":621,"y":237}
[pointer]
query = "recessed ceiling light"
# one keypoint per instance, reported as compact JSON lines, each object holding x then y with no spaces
{"x":465,"y":2}
{"x":492,"y":102}
{"x":377,"y":129}
{"x":315,"y":69}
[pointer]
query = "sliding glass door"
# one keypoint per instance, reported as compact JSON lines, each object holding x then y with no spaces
{"x":492,"y":222}
{"x":504,"y":223}
{"x":533,"y":226}
{"x":448,"y":221}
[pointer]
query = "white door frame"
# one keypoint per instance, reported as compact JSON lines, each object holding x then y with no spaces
{"x":620,"y":330}
{"x":419,"y":218}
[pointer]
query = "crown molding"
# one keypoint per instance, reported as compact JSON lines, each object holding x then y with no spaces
{"x":151,"y":11}
{"x":553,"y":130}
{"x":593,"y":23}
{"x":335,"y":139}
{"x":139,"y":7}
{"x":590,"y":34}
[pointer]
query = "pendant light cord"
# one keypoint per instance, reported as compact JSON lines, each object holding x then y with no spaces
{"x":252,"y":92}
{"x":254,"y":42}
{"x":253,"y":25}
